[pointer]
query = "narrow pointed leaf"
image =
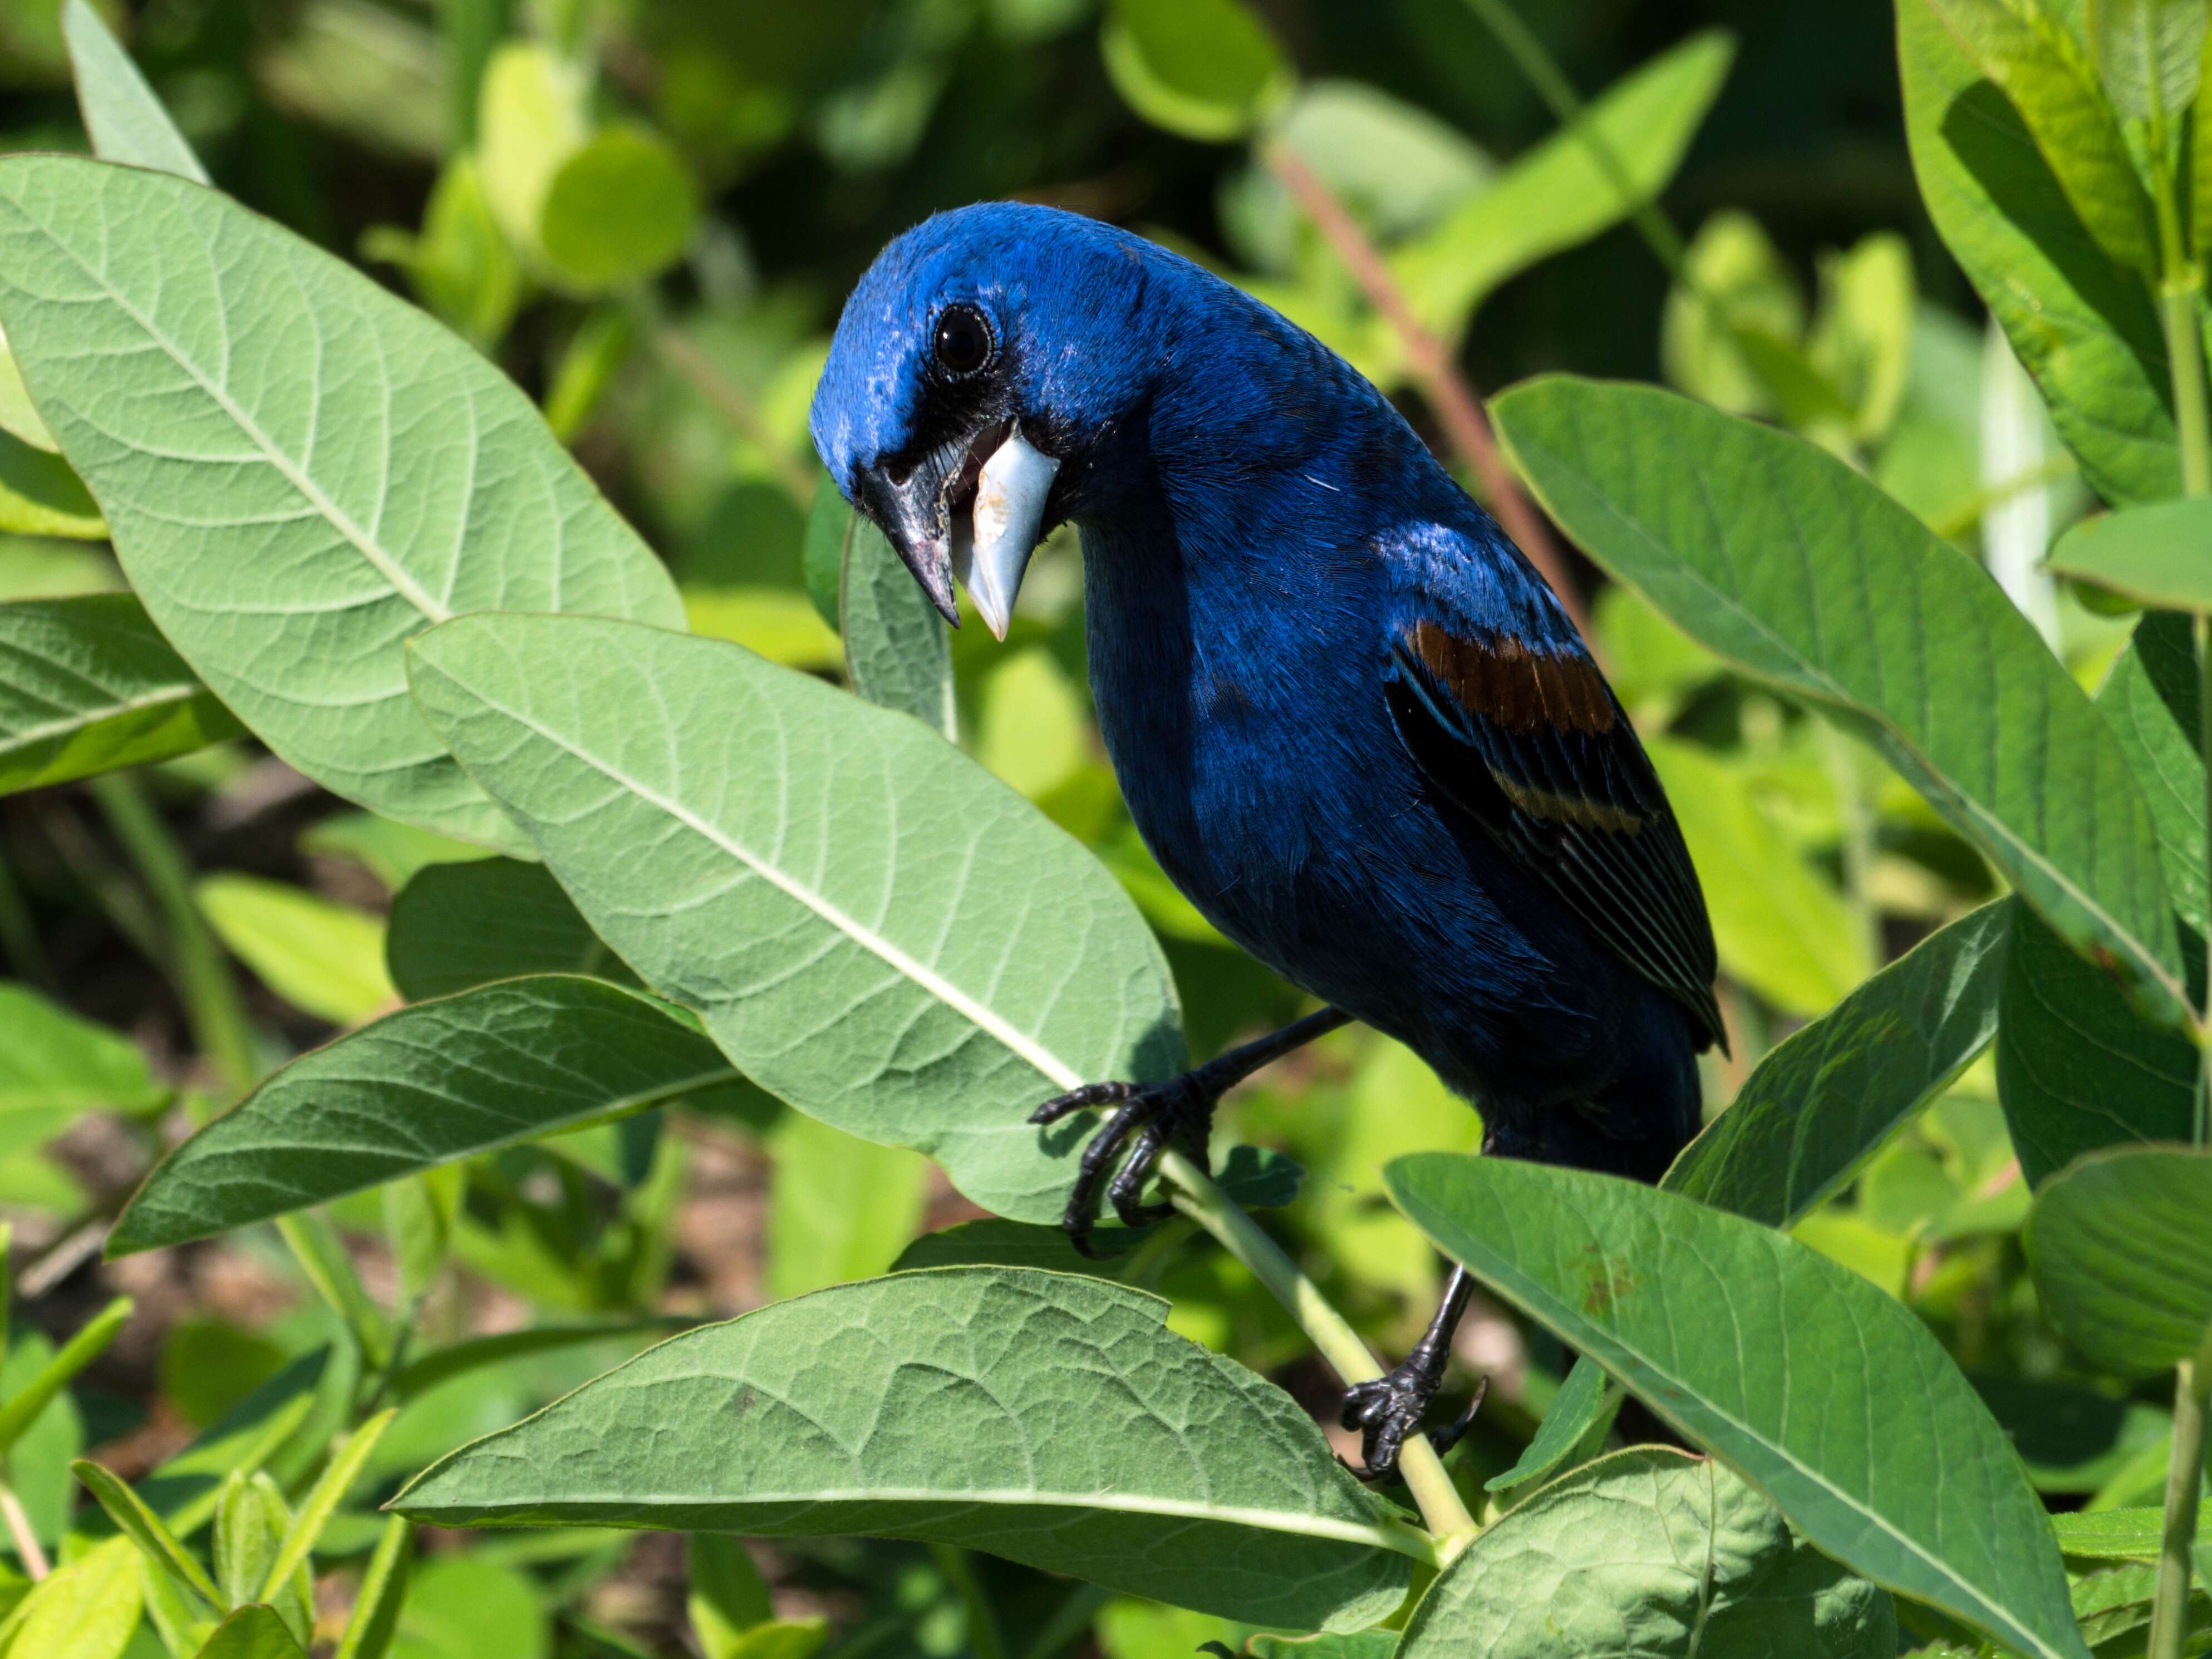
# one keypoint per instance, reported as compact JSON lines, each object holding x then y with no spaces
{"x":2116,"y":1242}
{"x":322,"y":1501}
{"x":298,"y":468}
{"x":1772,"y":554}
{"x":1825,"y":1099}
{"x":2149,"y":699}
{"x":1046,"y":1418}
{"x":383,"y":1592}
{"x":183,"y":1490}
{"x":886,"y":937}
{"x":20,"y":1409}
{"x":419,"y":1375}
{"x":424,"y":1087}
{"x":253,"y":1633}
{"x":2152,"y":555}
{"x":1772,"y":1358}
{"x":455,"y":927}
{"x":1653,"y":1554}
{"x":87,"y":685}
{"x":123,"y":119}
{"x":899,"y":653}
{"x":2121,"y":1535}
{"x":2085,"y":328}
{"x":1580,"y":1405}
{"x":144,"y":1528}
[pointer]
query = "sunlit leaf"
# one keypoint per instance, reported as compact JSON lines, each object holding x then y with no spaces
{"x":847,"y":930}
{"x":1204,"y":69}
{"x":323,"y":958}
{"x":1734,"y":279}
{"x":459,"y":265}
{"x":394,"y":853}
{"x":251,"y":1632}
{"x":288,"y":531}
{"x":1050,"y":1419}
{"x":618,"y":210}
{"x":41,"y":495}
{"x":1770,"y":1356}
{"x":1861,"y":340}
{"x":2152,"y":555}
{"x":2150,"y":54}
{"x":376,"y":1619}
{"x":55,"y":1066}
{"x":533,"y":116}
{"x":2120,"y":1534}
{"x":842,"y":1208}
{"x":2115,"y":1241}
{"x":122,"y":117}
{"x":457,"y":1607}
{"x":86,"y":1610}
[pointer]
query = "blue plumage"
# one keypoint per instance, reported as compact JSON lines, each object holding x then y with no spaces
{"x":1353,"y":723}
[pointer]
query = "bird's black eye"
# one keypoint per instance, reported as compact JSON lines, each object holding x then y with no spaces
{"x":964,"y":340}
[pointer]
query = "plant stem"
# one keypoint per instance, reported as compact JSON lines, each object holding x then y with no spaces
{"x":2169,"y":1619}
{"x":1196,"y":1195}
{"x":1447,"y":389}
{"x":19,"y":1529}
{"x":203,"y":977}
{"x":2184,"y":348}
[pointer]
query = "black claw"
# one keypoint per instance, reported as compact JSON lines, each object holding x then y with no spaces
{"x":1179,"y":1113}
{"x":1388,"y":1412}
{"x":1077,"y":1100}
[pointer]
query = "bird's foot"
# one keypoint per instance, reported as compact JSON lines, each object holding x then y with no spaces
{"x":1388,"y":1411}
{"x":1148,"y":1119}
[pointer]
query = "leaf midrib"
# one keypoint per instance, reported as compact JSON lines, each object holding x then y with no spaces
{"x":380,"y":560}
{"x":14,"y":743}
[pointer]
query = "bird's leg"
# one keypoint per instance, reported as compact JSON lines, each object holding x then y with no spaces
{"x":1149,"y":1118}
{"x":1391,"y":1408}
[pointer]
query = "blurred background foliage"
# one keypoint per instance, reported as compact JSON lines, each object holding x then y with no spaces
{"x":648,"y":212}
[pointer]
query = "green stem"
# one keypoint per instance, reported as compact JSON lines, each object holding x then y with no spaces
{"x":203,"y":977}
{"x":2169,"y":1619}
{"x":984,"y":1640}
{"x":2185,"y":350}
{"x":1196,"y":1195}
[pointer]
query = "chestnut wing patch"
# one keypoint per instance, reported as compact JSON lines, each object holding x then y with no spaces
{"x":1529,"y":740}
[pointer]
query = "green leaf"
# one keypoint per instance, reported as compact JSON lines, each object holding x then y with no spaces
{"x":326,"y":1265}
{"x":2072,"y":1439}
{"x":1769,"y":551}
{"x":323,"y":958}
{"x":394,"y":853}
{"x":2150,"y":54}
{"x":728,"y":1595}
{"x":122,"y":117}
{"x":822,"y":549}
{"x":19,"y":416}
{"x":457,"y":926}
{"x":55,"y":1068}
{"x":1358,"y":1645}
{"x":898,"y":652}
{"x":1827,"y":1095}
{"x":1046,"y":1418}
{"x":2152,"y":555}
{"x":1558,"y":195}
{"x":321,"y":1502}
{"x":250,"y":1518}
{"x":618,"y":209}
{"x":86,"y":1610}
{"x":1782,"y":929}
{"x":1831,"y":1398}
{"x":144,"y":1528}
{"x":1201,"y":69}
{"x":534,"y":115}
{"x":460,"y":265}
{"x":842,"y":1208}
{"x":41,"y":495}
{"x":459,"y":1608}
{"x":1861,"y":342}
{"x":590,"y":361}
{"x":439,"y":1081}
{"x":251,"y":1632}
{"x":184,"y":1490}
{"x":288,"y":531}
{"x":1580,"y":1405}
{"x":88,"y":685}
{"x":1654,"y":1552}
{"x":418,"y":1376}
{"x":2115,"y":1242}
{"x":2050,"y":82}
{"x":383,"y":1592}
{"x":2085,"y":328}
{"x":844,"y":928}
{"x":22,"y":1408}
{"x":2121,"y":1535}
{"x":2076,"y":1068}
{"x":2149,"y":698}
{"x":1735,"y":282}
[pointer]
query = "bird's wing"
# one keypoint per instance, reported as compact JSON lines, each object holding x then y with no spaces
{"x":1525,"y":735}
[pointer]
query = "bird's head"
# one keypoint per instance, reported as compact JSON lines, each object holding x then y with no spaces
{"x":978,"y":375}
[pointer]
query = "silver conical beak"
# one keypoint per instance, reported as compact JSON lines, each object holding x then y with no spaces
{"x":1010,"y":503}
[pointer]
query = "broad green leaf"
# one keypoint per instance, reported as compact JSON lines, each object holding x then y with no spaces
{"x":1770,"y":552}
{"x":2085,"y":328}
{"x":122,"y":117}
{"x":1773,"y":1359}
{"x":2072,"y":1439}
{"x":144,"y":1529}
{"x":1201,"y":69}
{"x":24,"y":1404}
{"x":620,"y":209}
{"x":2149,"y":698}
{"x":1558,"y":194}
{"x":87,"y":685}
{"x":251,"y":1632}
{"x":323,"y":958}
{"x":2150,"y":54}
{"x":1358,"y":1644}
{"x":841,"y":1208}
{"x":2121,"y":1535}
{"x":438,"y":1081}
{"x":2076,"y":1068}
{"x":460,"y":1608}
{"x":1650,"y":1554}
{"x":2052,"y":84}
{"x":777,"y":622}
{"x":898,"y":650}
{"x":288,"y":530}
{"x":1781,"y":929}
{"x":1827,"y":1095}
{"x":383,"y":1591}
{"x":19,"y":416}
{"x":184,"y":1490}
{"x":2153,"y":555}
{"x":2116,"y":1244}
{"x":457,"y":926}
{"x":1580,"y":1406}
{"x":55,"y":1068}
{"x":86,"y":1610}
{"x":41,"y":495}
{"x":394,"y":853}
{"x":1046,"y":1418}
{"x":847,"y":929}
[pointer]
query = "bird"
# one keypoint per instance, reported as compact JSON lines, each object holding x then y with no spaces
{"x":1354,"y":724}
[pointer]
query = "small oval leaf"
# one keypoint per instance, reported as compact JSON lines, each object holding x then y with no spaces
{"x":2116,"y":1242}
